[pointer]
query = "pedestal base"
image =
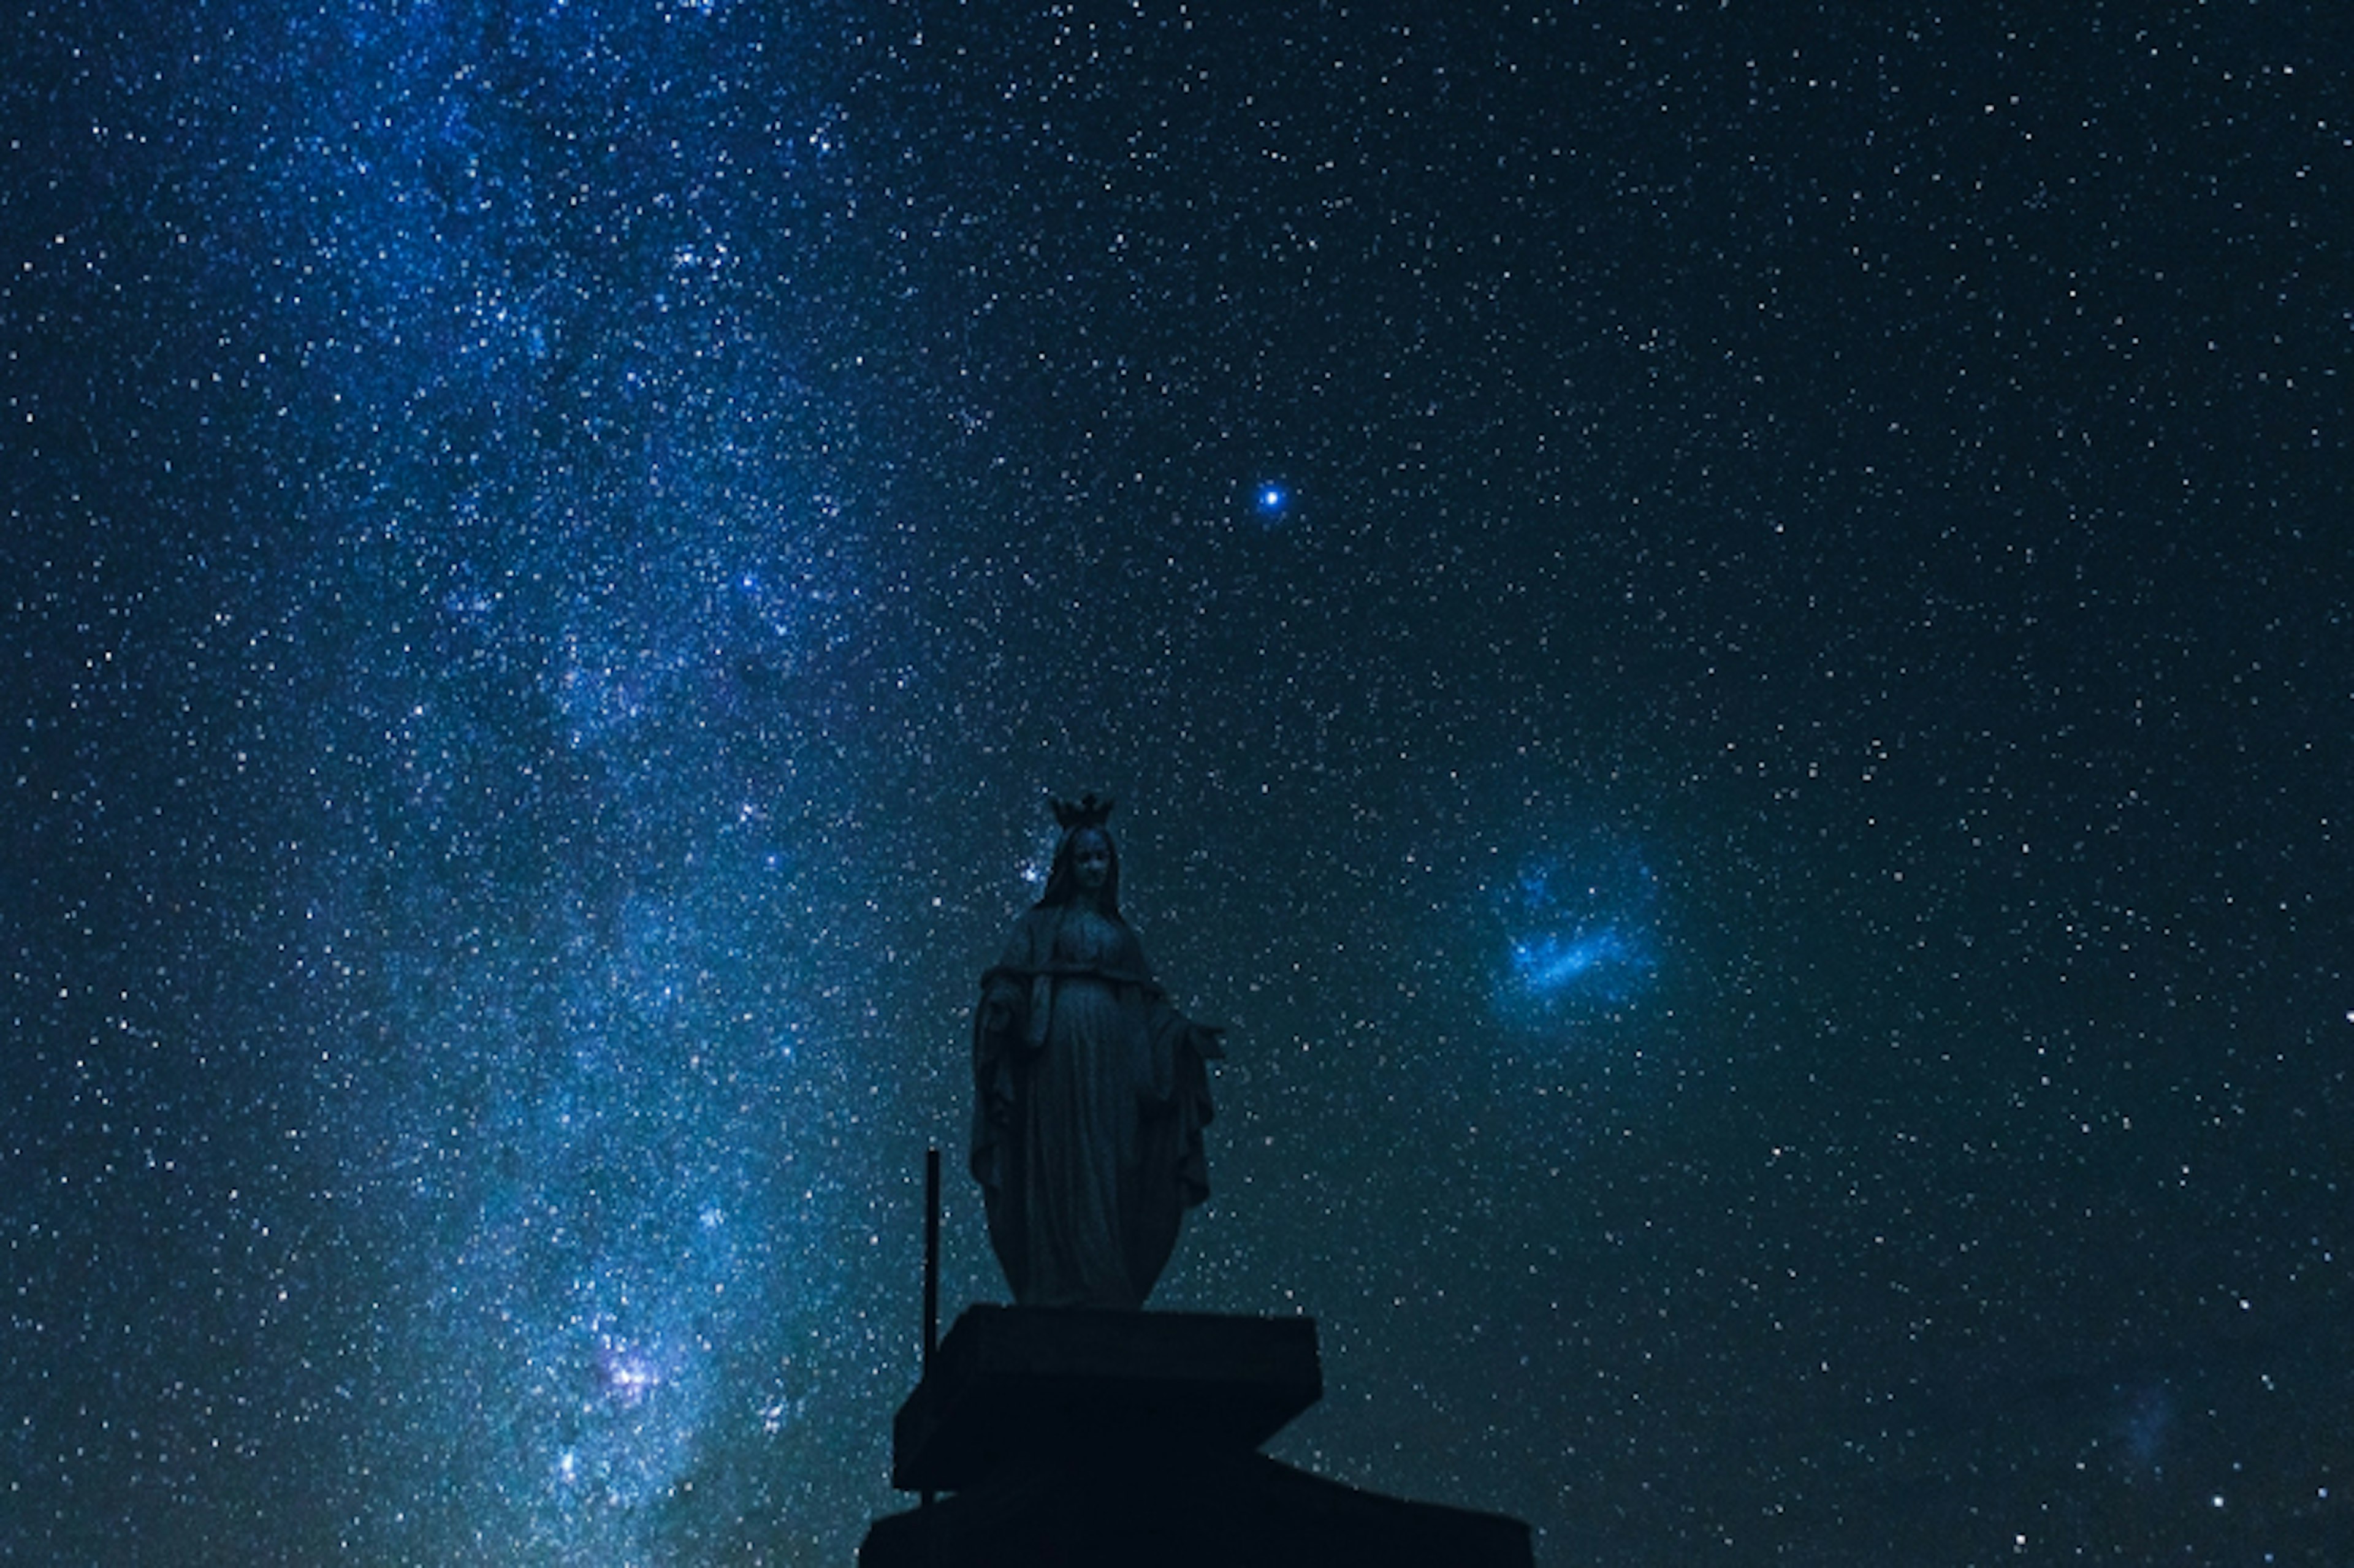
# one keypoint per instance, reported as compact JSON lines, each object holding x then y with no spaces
{"x":1014,"y":1382}
{"x":1129,"y":1438}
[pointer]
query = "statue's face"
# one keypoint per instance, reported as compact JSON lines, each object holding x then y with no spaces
{"x":1091,"y":861}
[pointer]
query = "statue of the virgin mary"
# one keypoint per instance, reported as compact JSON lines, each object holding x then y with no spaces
{"x":1091,"y":1090}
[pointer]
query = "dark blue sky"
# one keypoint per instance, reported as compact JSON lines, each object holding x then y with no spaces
{"x":1767,"y":814}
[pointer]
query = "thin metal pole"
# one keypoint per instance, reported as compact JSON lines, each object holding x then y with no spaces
{"x":931,"y":1254}
{"x":931,"y":1270}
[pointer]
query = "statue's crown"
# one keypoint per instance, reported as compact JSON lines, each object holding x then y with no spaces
{"x":1089,"y":810}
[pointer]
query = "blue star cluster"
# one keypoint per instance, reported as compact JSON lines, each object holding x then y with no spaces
{"x":1720,"y":631}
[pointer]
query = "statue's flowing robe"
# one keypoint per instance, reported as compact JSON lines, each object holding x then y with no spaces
{"x":1090,"y":1094}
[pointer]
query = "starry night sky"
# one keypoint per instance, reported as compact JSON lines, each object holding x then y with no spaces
{"x":1721,"y":630}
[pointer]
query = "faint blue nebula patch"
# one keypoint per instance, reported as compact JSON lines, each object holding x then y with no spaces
{"x":2144,"y":1427}
{"x":1582,"y":924}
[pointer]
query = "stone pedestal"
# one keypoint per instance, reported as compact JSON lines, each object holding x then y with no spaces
{"x":1131,"y":1438}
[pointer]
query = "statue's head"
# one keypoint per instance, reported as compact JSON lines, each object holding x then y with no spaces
{"x":1087,"y":862}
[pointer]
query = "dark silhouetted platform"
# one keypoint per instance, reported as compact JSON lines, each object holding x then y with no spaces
{"x":1077,"y":1437}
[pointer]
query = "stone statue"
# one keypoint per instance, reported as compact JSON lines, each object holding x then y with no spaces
{"x":1091,"y":1091}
